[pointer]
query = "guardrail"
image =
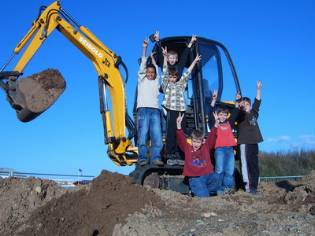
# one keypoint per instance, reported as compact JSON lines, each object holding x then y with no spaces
{"x":64,"y":180}
{"x":277,"y":178}
{"x":67,"y":180}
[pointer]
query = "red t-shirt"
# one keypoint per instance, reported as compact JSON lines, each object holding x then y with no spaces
{"x":197,"y":163}
{"x":225,"y":137}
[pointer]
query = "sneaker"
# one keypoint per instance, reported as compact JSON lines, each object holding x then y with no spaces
{"x":143,"y":162}
{"x":157,"y":162}
{"x":171,"y":162}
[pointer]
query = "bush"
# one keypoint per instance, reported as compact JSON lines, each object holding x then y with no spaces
{"x":286,"y":163}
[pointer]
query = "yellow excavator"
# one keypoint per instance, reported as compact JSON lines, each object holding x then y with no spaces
{"x":32,"y":95}
{"x":29,"y":102}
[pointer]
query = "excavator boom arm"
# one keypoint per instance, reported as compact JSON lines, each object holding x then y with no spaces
{"x":106,"y":63}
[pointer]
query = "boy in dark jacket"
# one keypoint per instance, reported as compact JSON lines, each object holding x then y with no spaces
{"x":248,"y":138}
{"x":203,"y":181}
{"x":175,"y":61}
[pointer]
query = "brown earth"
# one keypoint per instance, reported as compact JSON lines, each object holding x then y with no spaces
{"x":111,"y":205}
{"x":95,"y":210}
{"x":40,"y":90}
{"x":37,"y":92}
{"x":20,"y":197}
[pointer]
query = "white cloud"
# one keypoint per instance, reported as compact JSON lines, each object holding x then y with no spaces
{"x":283,"y":138}
{"x":307,"y":139}
{"x":285,"y":142}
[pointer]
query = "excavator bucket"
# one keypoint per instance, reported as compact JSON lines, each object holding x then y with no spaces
{"x":32,"y":95}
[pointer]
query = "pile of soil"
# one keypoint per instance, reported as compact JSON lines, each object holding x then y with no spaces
{"x":112,"y":205}
{"x":95,"y":210}
{"x":20,"y":197}
{"x":276,"y":210}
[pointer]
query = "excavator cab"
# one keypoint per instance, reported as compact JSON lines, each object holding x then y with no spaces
{"x":215,"y":72}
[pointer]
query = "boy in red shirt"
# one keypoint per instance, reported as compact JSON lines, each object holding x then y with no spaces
{"x":224,"y":146}
{"x":203,"y":181}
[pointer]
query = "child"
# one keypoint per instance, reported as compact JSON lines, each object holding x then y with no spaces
{"x":172,"y":56}
{"x":248,"y":138}
{"x":174,"y":103}
{"x":148,"y":112}
{"x":224,"y":146}
{"x":198,"y":168}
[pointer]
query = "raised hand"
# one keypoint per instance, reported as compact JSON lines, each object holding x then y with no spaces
{"x":214,"y":95}
{"x":198,"y":58}
{"x":145,"y":43}
{"x":258,"y":92}
{"x":238,"y":96}
{"x":164,"y":51}
{"x":214,"y":98}
{"x":193,"y":39}
{"x":179,"y":120}
{"x":259,"y":84}
{"x":216,"y":118}
{"x":157,"y":36}
{"x":237,"y":99}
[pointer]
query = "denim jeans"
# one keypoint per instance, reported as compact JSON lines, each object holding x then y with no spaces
{"x":224,"y":167}
{"x":149,"y":123}
{"x":205,"y":185}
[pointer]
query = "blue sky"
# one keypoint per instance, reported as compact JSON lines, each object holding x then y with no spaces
{"x":272,"y":41}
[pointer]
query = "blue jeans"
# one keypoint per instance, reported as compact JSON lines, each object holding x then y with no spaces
{"x":149,"y":123}
{"x":205,"y":185}
{"x":224,"y":167}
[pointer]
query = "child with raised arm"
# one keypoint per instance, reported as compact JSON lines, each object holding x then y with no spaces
{"x":148,"y":112}
{"x":249,"y":136}
{"x":172,"y":56}
{"x":174,"y":103}
{"x":224,"y":146}
{"x":203,"y":181}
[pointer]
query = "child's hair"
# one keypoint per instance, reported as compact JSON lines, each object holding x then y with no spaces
{"x":221,"y":110}
{"x":173,"y":72}
{"x":197,"y":134}
{"x":172,"y":52}
{"x":246,"y":99}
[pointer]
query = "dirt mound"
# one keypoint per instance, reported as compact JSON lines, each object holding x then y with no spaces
{"x":267,"y":213}
{"x":93,"y":211}
{"x":20,"y":197}
{"x":111,"y":205}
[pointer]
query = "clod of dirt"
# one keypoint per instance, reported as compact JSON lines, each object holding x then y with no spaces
{"x":36,"y":93}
